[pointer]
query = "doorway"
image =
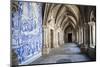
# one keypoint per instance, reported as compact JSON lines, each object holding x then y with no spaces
{"x":69,"y":37}
{"x":51,"y":38}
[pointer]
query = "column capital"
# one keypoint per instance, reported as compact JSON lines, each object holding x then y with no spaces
{"x":44,"y":26}
{"x":91,"y":23}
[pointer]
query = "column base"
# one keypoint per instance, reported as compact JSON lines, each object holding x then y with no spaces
{"x":92,"y":53}
{"x":92,"y":46}
{"x":84,"y":48}
{"x":46,"y":51}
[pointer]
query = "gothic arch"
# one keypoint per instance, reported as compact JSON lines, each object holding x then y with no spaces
{"x":71,"y":18}
{"x":59,"y":11}
{"x":67,"y":24}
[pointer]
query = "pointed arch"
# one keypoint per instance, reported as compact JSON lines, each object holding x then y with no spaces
{"x":67,"y":24}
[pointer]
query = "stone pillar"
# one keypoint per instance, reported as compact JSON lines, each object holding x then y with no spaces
{"x":92,"y":34}
{"x":85,"y":37}
{"x":82,"y":35}
{"x":62,"y":38}
{"x":45,"y":41}
{"x":55,"y":39}
{"x":79,"y":36}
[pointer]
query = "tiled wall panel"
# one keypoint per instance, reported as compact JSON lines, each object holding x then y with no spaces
{"x":27,"y":31}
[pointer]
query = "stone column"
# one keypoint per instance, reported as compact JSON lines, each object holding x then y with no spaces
{"x":55,"y":39}
{"x":85,"y":36}
{"x":91,"y":24}
{"x":77,"y":36}
{"x":90,"y":34}
{"x":45,"y":47}
{"x":94,"y":34}
{"x":82,"y":35}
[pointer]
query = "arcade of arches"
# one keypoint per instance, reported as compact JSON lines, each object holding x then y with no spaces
{"x":63,"y":24}
{"x":65,"y":29}
{"x":69,"y":23}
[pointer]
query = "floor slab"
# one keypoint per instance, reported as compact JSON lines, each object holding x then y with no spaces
{"x":64,"y":54}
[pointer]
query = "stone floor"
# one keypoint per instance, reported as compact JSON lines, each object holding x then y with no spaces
{"x":64,"y":54}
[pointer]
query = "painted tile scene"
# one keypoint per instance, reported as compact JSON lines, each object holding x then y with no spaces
{"x":52,"y":33}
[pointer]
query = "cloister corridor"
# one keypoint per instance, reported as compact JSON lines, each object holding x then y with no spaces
{"x":68,"y":53}
{"x":43,"y":33}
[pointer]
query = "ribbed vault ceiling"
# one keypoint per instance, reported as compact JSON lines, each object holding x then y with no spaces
{"x":63,"y":14}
